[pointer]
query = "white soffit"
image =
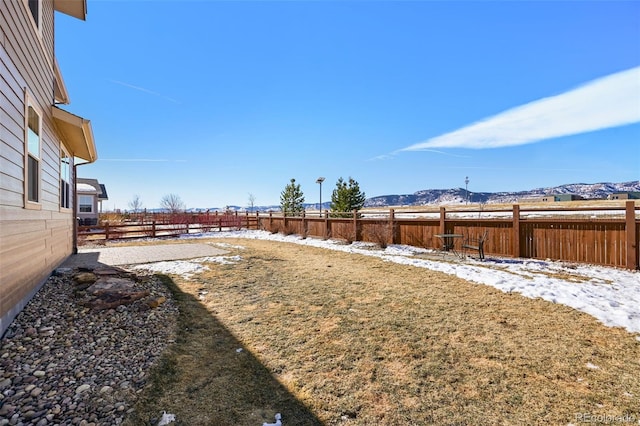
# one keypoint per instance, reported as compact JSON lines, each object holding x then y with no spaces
{"x":76,"y":134}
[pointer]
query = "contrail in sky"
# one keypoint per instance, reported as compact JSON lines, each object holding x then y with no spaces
{"x":142,"y":89}
{"x":606,"y":102}
{"x":143,"y":160}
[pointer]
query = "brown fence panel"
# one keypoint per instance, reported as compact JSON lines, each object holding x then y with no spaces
{"x":594,"y":242}
{"x":379,"y":231}
{"x":418,"y":233}
{"x":342,"y":229}
{"x":499,"y":238}
{"x":316,"y":227}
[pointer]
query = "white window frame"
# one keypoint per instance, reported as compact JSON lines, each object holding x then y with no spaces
{"x":66,"y":192}
{"x":37,"y":22}
{"x":80,"y":204}
{"x":37,"y":156}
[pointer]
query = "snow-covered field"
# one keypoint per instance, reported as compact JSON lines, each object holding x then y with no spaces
{"x":610,"y":295}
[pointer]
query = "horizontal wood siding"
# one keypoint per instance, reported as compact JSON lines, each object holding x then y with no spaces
{"x":32,"y":53}
{"x":30,"y":248}
{"x":12,"y":141}
{"x":32,"y":242}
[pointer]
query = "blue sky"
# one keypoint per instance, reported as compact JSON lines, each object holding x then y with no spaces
{"x":216,"y":100}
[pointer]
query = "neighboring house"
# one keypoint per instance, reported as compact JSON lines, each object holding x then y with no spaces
{"x":624,"y":196}
{"x":560,"y":197}
{"x":90,"y":193}
{"x":39,"y":146}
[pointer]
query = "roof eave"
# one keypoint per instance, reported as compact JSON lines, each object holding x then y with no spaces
{"x":75,"y":8}
{"x":76,"y":134}
{"x":61,"y":95}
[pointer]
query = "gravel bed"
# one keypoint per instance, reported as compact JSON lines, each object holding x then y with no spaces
{"x":62,"y":363}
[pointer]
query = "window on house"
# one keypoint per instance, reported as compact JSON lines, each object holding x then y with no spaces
{"x":65,"y":180}
{"x":34,"y":7}
{"x":33,"y":155}
{"x":85,"y":204}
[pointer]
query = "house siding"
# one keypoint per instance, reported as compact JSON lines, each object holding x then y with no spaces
{"x":32,"y":242}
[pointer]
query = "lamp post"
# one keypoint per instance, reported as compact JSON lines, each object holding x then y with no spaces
{"x":319,"y":181}
{"x":466,"y":185}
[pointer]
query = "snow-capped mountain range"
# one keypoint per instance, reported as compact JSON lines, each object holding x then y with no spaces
{"x":459,"y":195}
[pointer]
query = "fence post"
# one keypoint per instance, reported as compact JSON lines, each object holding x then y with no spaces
{"x":443,"y":217}
{"x":106,"y":231}
{"x":304,"y":224}
{"x":515,"y":231}
{"x":270,"y":221}
{"x":630,"y":234}
{"x":326,"y":224}
{"x":153,"y":228}
{"x":392,"y":219}
{"x":355,"y":225}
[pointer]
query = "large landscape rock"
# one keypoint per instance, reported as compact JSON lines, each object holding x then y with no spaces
{"x":110,"y":292}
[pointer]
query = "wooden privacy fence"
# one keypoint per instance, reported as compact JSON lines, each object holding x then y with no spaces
{"x":593,"y":239}
{"x":574,"y":235}
{"x":165,"y":225}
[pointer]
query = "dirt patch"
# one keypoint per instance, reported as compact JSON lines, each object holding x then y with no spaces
{"x":325,"y":337}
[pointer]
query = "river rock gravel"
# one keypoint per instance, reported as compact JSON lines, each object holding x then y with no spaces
{"x":63,"y":363}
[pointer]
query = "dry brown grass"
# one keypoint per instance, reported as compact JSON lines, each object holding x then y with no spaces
{"x":335,"y":338}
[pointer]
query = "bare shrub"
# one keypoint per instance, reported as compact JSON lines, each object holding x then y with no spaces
{"x":289,"y":229}
{"x":380,"y":233}
{"x":346,"y":234}
{"x":111,"y":217}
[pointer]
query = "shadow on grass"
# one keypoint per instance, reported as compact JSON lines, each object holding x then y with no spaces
{"x":208,"y":378}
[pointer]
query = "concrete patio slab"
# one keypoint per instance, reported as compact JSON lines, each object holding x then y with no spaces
{"x":131,"y":255}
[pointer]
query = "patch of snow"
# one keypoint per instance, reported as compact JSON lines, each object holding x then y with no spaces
{"x":166,"y":419}
{"x":277,"y":423}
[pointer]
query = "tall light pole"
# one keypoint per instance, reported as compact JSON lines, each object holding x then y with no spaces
{"x":319,"y":181}
{"x":466,"y":186}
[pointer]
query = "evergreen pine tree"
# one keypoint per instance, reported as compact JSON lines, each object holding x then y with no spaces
{"x":356,"y":197}
{"x":346,"y":197}
{"x":292,"y":199}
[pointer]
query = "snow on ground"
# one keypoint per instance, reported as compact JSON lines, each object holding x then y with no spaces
{"x":611,"y":295}
{"x":186,"y":268}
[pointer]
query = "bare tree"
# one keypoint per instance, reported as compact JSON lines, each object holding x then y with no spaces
{"x":136,"y":203}
{"x":252,"y":201}
{"x":172,"y":203}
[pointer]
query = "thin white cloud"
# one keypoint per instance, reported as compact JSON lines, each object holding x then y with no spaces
{"x":382,"y":157}
{"x":143,"y":160}
{"x":606,"y":102}
{"x":395,"y":153}
{"x":142,"y":89}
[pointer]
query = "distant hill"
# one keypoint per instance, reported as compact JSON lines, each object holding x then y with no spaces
{"x":437,"y":197}
{"x":458,"y":195}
